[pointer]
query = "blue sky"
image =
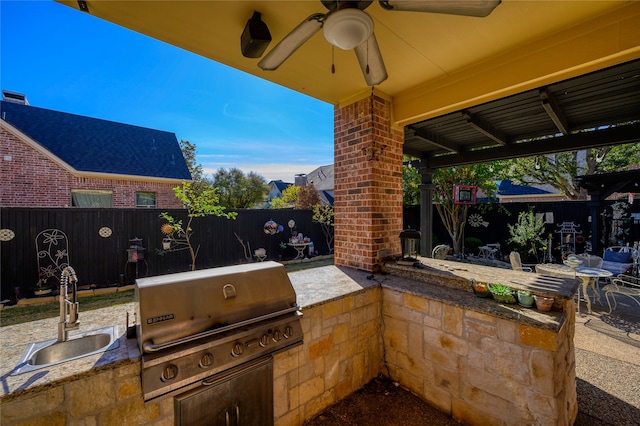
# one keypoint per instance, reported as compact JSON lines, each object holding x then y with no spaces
{"x":70,"y":61}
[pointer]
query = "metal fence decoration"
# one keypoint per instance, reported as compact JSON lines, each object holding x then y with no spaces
{"x":52,"y":249}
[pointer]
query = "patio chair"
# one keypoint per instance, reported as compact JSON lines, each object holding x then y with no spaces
{"x":619,"y":259}
{"x":440,"y":251}
{"x":625,"y":285}
{"x":516,"y":263}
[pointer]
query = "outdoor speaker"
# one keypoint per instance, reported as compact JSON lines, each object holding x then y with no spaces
{"x":255,"y":37}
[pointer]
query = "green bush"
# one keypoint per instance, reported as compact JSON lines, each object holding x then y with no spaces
{"x":472,"y":244}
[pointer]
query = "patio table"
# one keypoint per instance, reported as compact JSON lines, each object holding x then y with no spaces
{"x":587,"y":276}
{"x":299,"y":248}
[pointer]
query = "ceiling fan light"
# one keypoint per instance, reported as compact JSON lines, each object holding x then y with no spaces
{"x":347,"y":28}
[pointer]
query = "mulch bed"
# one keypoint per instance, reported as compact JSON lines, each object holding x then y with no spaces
{"x":381,"y":402}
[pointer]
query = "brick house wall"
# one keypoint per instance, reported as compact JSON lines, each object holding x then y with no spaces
{"x":368,"y":183}
{"x":31,"y":179}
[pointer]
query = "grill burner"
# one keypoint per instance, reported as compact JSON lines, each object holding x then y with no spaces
{"x":193,"y":325}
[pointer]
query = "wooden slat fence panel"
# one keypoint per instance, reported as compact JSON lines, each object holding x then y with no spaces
{"x":103,"y":261}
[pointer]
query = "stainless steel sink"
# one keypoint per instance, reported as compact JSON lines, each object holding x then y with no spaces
{"x":51,"y":352}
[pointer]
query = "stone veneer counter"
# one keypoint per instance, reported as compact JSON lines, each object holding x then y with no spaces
{"x":344,"y":310}
{"x":313,"y":286}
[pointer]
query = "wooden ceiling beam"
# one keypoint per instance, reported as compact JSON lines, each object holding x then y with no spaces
{"x":486,"y":128}
{"x":434,"y":139}
{"x":572,"y":142}
{"x":553,"y":110}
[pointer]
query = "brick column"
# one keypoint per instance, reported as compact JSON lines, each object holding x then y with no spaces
{"x":368,"y":183}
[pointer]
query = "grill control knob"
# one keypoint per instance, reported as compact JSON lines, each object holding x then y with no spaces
{"x":206,"y":360}
{"x":169,"y":373}
{"x":237,"y":349}
{"x":277,"y":336}
{"x":264,"y":340}
{"x":288,"y":331}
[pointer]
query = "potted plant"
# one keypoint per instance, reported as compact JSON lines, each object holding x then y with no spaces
{"x":480,"y":289}
{"x":502,"y":293}
{"x":544,"y":303}
{"x":42,"y":287}
{"x":525,"y":298}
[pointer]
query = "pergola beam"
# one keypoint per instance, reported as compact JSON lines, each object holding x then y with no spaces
{"x":436,"y":140}
{"x":486,"y":128}
{"x":553,"y":110}
{"x":572,"y":142}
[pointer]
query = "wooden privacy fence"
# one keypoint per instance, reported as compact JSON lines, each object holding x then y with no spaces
{"x":98,"y":240}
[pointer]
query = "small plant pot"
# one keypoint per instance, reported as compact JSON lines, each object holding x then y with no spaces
{"x":502,"y":293}
{"x":544,"y":303}
{"x":42,"y":292}
{"x":525,"y":299}
{"x":480,"y":289}
{"x":504,"y":298}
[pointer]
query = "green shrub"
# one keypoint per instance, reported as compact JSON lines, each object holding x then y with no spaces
{"x":472,"y":244}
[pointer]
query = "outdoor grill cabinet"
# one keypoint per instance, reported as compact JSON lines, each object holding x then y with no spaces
{"x":240,"y":396}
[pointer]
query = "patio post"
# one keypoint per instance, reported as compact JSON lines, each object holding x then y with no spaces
{"x":426,"y":210}
{"x":368,"y":183}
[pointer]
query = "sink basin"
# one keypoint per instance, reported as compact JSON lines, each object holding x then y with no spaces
{"x":51,"y":352}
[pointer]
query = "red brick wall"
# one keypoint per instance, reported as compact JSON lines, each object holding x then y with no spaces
{"x":368,"y":191}
{"x":30,"y":179}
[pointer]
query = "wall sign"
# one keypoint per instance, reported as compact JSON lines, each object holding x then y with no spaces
{"x":464,"y":194}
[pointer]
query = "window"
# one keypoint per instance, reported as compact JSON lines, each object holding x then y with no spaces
{"x":88,"y":198}
{"x":146,"y":199}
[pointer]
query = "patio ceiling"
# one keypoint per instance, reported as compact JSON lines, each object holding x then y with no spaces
{"x":578,"y":113}
{"x":437,"y":64}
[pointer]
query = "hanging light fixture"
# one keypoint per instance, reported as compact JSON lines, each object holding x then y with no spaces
{"x":347,"y":28}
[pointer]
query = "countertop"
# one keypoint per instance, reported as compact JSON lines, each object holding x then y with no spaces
{"x":313,"y":287}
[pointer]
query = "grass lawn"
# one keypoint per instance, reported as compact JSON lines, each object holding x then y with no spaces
{"x":20,"y":314}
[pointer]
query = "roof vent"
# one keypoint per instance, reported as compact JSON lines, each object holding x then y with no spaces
{"x":14,"y":97}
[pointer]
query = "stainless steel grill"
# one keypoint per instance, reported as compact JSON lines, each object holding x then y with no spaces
{"x":195,"y":325}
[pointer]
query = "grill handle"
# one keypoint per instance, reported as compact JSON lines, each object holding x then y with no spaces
{"x":149,"y":346}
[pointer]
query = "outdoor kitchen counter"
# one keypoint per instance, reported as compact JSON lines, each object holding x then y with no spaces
{"x":313,"y":287}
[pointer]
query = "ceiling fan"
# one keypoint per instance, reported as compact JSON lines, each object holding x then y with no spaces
{"x":347,"y":26}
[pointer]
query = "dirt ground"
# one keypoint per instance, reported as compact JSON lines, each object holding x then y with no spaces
{"x":381,"y":402}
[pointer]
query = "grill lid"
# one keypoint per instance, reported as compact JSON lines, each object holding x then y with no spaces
{"x":174,"y":307}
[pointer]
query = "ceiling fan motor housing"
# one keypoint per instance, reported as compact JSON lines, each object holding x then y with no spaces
{"x":347,"y":28}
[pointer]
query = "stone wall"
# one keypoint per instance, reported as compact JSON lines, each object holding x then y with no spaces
{"x":479,"y":368}
{"x":110,"y":397}
{"x":341,"y":353}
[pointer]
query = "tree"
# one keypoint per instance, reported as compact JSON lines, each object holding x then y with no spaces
{"x":527,"y":234}
{"x":238,"y":191}
{"x":288,"y":198}
{"x":323,"y":214}
{"x":307,"y":197}
{"x":198,"y":204}
{"x":454,"y":216}
{"x":561,"y":170}
{"x":411,"y":180}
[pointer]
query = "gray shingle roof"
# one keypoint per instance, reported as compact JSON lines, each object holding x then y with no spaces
{"x":94,"y":145}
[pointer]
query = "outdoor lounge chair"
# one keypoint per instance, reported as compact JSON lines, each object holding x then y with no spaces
{"x":625,"y":285}
{"x":516,"y":263}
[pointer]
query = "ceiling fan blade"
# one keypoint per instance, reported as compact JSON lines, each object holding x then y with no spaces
{"x":478,"y":8}
{"x":292,"y":41}
{"x":371,"y":62}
